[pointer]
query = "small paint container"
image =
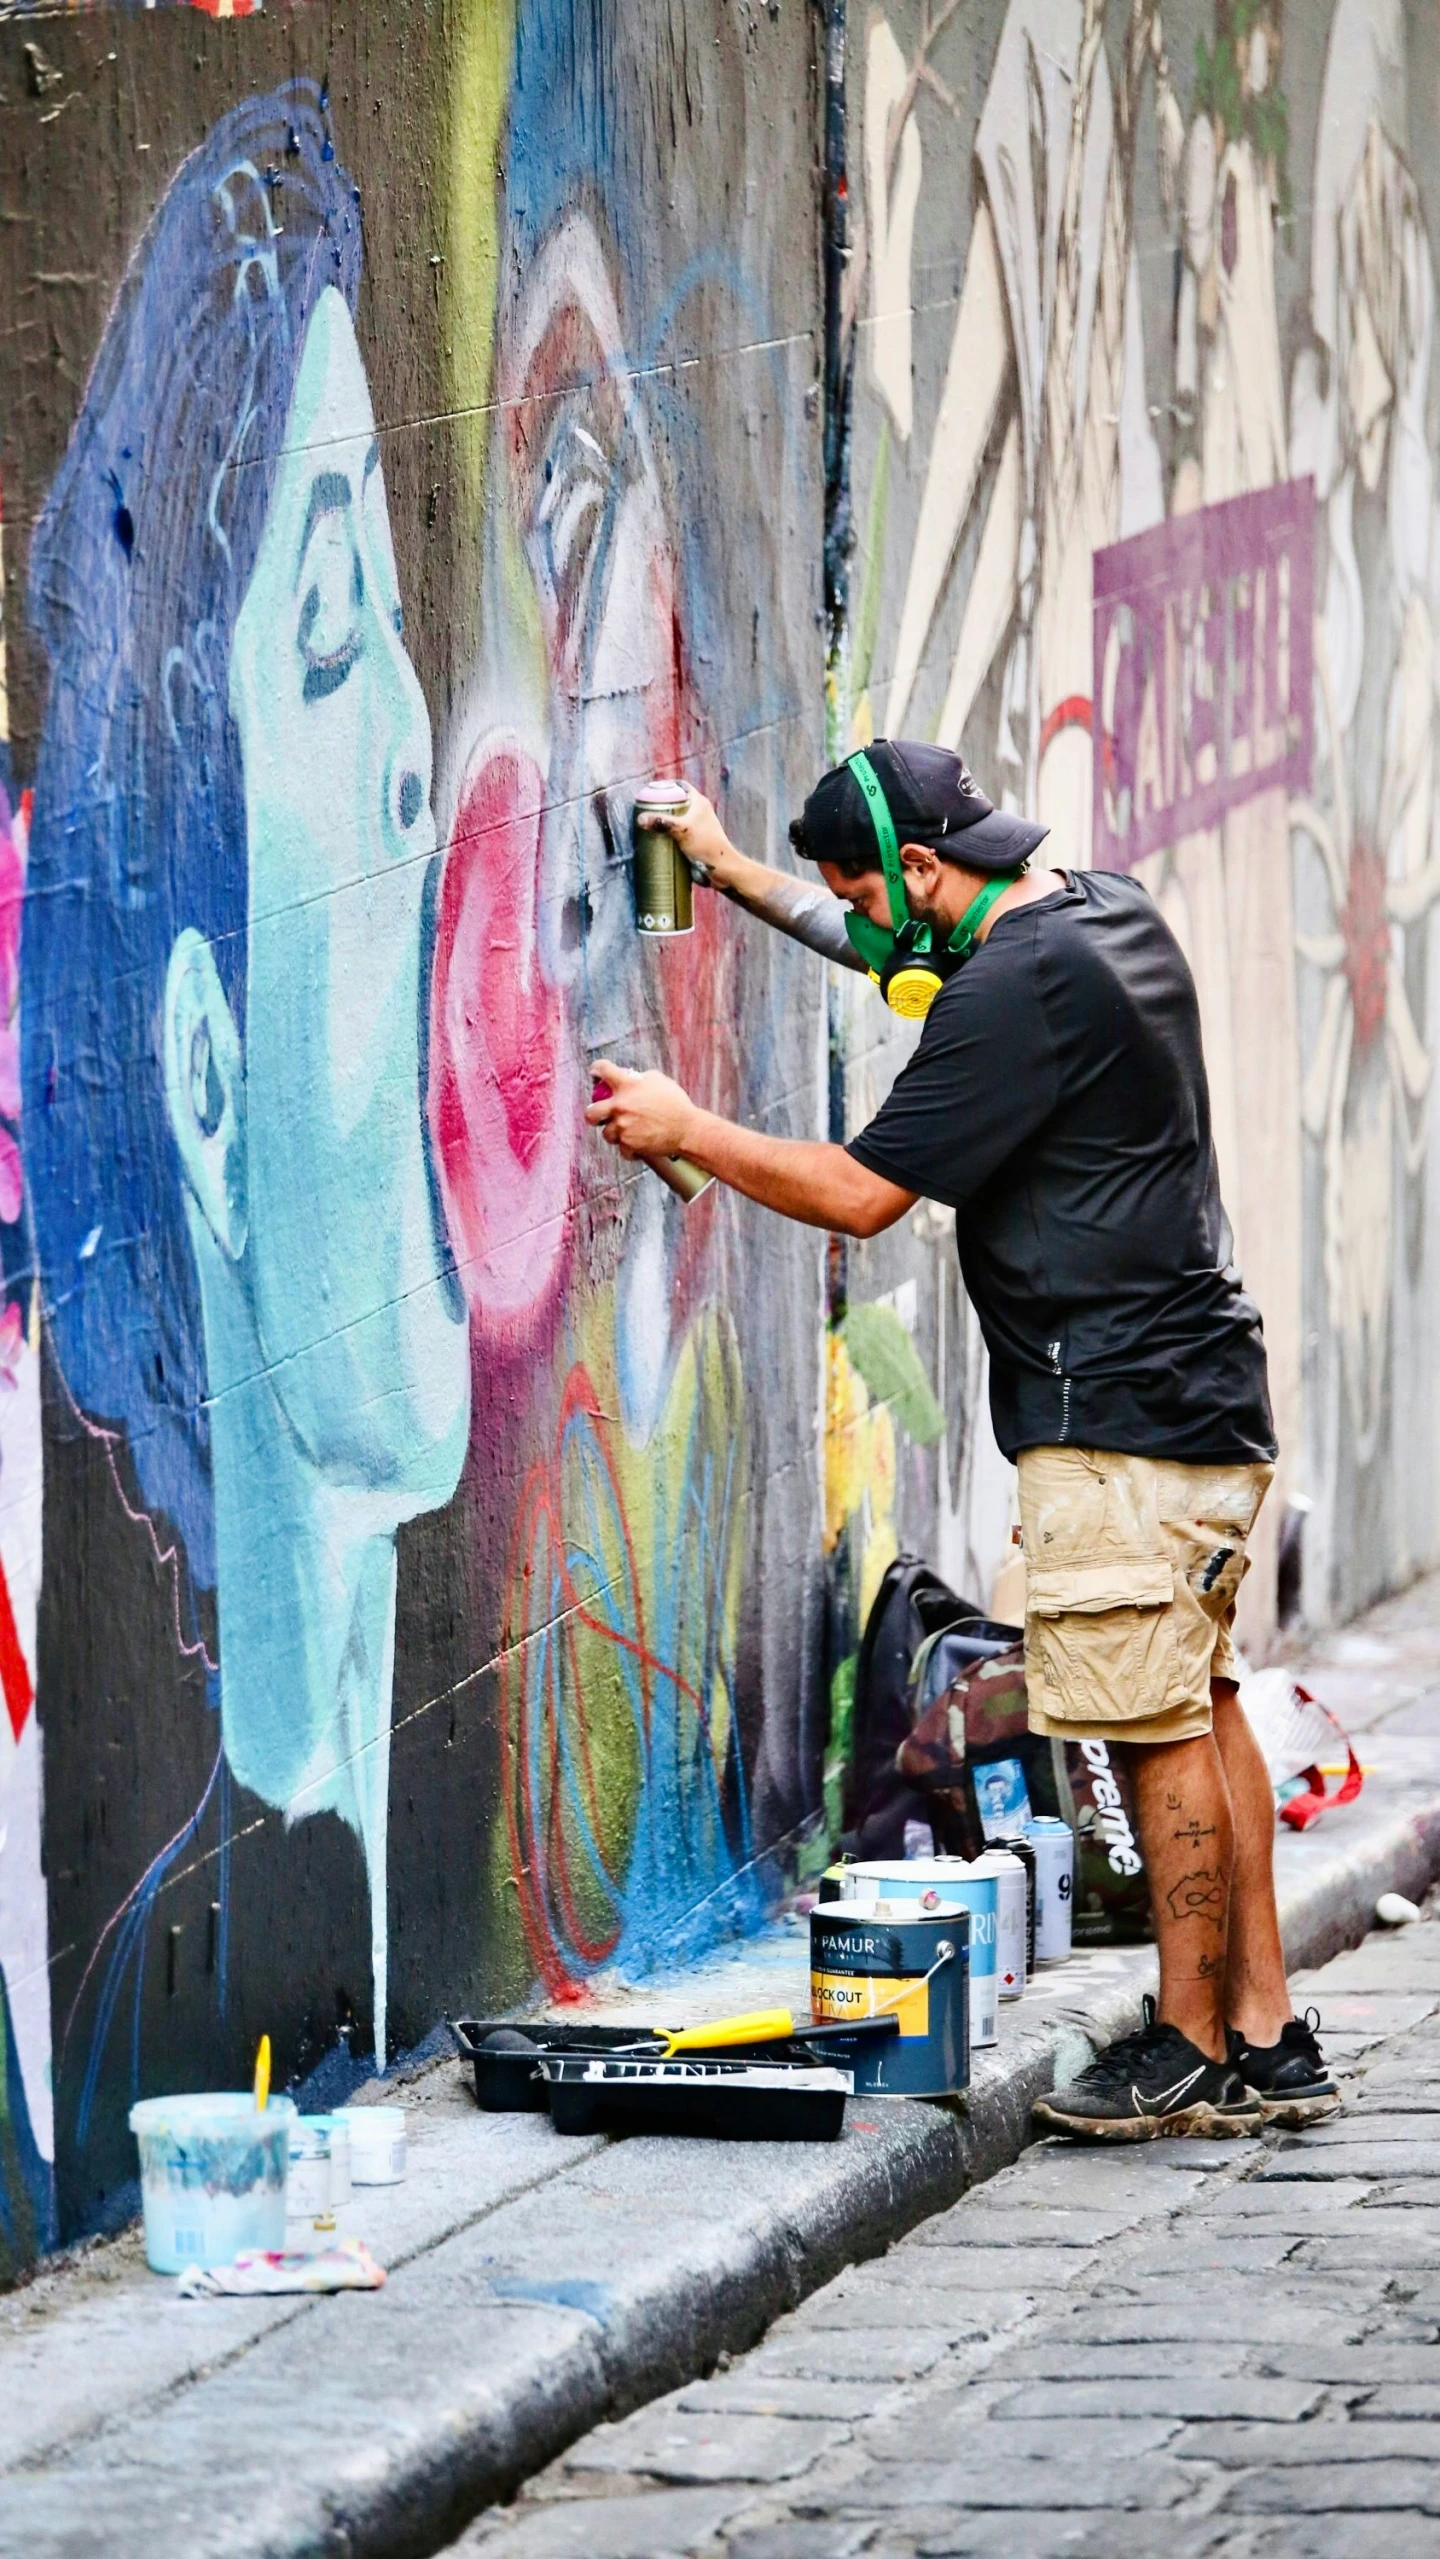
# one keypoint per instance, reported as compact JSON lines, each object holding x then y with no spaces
{"x":307,"y":2195}
{"x":377,"y":2144}
{"x":319,"y":2167}
{"x":930,"y":1881}
{"x":894,"y":1959}
{"x":1022,"y":1846}
{"x":1054,"y":1846}
{"x":664,"y":904}
{"x":1012,"y":1902}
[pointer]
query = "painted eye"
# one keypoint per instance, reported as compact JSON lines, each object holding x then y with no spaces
{"x":330,"y":636}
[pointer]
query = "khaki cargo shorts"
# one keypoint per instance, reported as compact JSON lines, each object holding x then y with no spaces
{"x":1132,"y":1565}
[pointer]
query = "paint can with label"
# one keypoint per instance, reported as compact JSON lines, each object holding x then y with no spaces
{"x":930,"y":1881}
{"x":663,"y":901}
{"x":1054,"y":1845}
{"x":872,"y":1959}
{"x":1012,"y":1897}
{"x":1022,"y":1846}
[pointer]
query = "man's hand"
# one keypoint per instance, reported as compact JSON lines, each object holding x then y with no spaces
{"x":642,"y":1114}
{"x":703,"y":840}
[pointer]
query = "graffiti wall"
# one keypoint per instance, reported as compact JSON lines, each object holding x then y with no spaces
{"x":1140,"y":318}
{"x":430,"y":1557}
{"x":431,"y":1504}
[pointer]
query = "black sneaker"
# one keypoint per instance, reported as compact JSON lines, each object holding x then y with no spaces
{"x":1149,"y":2085}
{"x":1289,"y":2078}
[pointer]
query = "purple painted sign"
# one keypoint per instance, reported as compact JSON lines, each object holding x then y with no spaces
{"x":1202,"y":668}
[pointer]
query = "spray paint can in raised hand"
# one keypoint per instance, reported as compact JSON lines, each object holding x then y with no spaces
{"x":663,"y":903}
{"x":1054,"y":1844}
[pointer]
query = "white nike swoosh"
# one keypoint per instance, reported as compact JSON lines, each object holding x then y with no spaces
{"x":1166,"y":2097}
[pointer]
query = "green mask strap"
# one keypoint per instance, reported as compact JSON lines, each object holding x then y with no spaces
{"x":885,"y":836}
{"x":962,"y":940}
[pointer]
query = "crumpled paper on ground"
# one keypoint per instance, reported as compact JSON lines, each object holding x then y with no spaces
{"x":347,"y":2267}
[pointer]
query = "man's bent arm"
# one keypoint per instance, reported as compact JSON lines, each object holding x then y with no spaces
{"x":801,"y":908}
{"x":646,"y":1115}
{"x":800,"y":1177}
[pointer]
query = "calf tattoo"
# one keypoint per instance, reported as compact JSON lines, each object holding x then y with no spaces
{"x":1200,"y":1895}
{"x":1208,"y":1967}
{"x":1194,"y":1832}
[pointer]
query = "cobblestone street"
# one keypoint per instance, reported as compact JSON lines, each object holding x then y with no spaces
{"x":1188,"y":2347}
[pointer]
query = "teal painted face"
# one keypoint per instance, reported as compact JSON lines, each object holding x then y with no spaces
{"x":357,"y":1320}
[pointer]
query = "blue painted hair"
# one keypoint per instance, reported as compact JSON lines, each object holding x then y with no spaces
{"x":138,"y":569}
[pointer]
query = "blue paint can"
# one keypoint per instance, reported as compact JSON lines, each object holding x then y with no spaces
{"x":869,"y":1961}
{"x":928,"y":1881}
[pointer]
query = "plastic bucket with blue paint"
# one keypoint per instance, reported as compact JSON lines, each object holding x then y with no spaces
{"x":213,"y":2176}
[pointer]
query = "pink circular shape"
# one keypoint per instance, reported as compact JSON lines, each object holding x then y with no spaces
{"x":504,"y":1091}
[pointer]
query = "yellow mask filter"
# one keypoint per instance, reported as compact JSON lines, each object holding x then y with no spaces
{"x":911,"y":990}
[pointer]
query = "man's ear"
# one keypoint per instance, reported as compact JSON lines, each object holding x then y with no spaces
{"x":205,"y":1089}
{"x":921,"y":865}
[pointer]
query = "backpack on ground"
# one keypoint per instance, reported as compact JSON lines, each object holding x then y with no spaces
{"x":940,"y":1739}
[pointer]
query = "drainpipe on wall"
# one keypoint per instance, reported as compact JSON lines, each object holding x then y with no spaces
{"x":841,"y":1631}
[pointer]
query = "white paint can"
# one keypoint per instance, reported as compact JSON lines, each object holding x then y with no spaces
{"x":928,"y":1882}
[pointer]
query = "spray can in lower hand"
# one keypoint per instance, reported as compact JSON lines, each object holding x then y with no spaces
{"x":678,"y":1174}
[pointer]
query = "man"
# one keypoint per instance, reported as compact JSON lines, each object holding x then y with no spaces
{"x":1057,"y":1100}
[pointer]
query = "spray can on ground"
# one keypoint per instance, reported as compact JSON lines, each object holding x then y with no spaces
{"x":1010,"y":1919}
{"x":1054,"y":1844}
{"x":1021,"y":1846}
{"x":664,"y":905}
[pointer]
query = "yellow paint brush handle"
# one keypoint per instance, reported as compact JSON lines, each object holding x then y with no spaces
{"x":262,"y":2075}
{"x":761,"y":2026}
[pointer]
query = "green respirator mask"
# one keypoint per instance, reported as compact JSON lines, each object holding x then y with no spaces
{"x":907,"y":963}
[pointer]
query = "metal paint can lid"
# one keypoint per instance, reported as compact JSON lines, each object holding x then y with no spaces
{"x":661,"y":799}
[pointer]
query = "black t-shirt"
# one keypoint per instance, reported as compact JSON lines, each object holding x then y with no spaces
{"x":1058,"y":1101}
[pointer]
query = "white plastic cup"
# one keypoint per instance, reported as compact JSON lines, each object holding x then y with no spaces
{"x":377,"y":2144}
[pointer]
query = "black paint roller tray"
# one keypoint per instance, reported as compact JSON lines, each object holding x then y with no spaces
{"x":718,"y":2097}
{"x":506,"y":2057}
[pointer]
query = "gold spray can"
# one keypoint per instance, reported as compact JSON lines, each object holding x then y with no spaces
{"x":663,"y":900}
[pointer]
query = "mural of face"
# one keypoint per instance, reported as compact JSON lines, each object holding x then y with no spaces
{"x":338,"y":1362}
{"x":582,"y":701}
{"x":356,"y":1319}
{"x":263,"y":1331}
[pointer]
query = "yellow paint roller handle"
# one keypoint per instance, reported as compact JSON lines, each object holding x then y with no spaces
{"x":761,"y":2026}
{"x":262,"y":2075}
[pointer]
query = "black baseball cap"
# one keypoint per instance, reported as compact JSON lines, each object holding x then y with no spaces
{"x":933,"y":799}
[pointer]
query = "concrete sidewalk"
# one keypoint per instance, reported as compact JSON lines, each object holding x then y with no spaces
{"x":539,"y":2286}
{"x":1214,"y":2350}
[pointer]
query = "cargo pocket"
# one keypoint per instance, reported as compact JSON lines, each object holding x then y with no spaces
{"x":1216,"y":1576}
{"x":1100,"y":1643}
